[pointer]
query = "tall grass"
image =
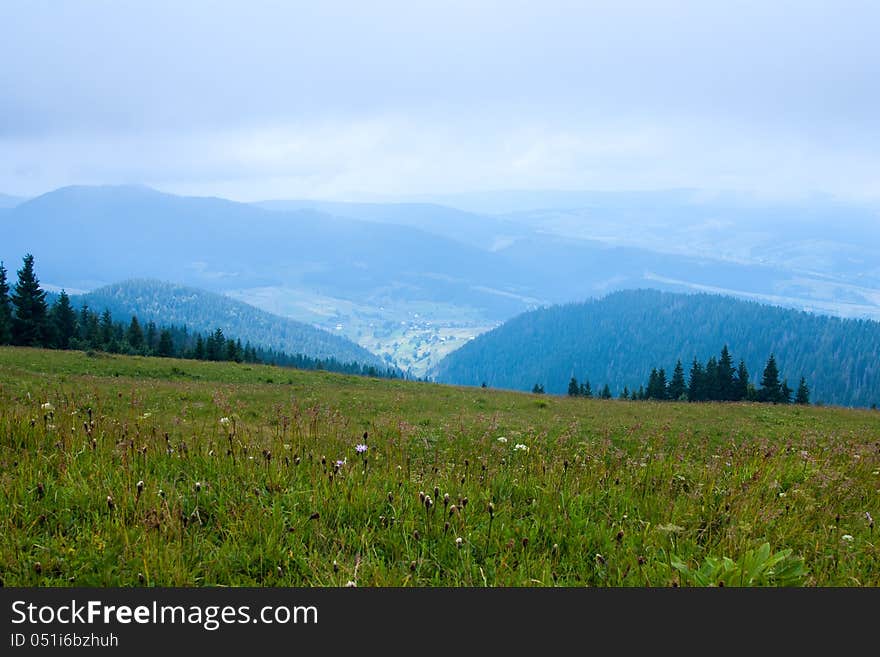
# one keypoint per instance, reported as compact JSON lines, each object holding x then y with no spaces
{"x":250,"y":476}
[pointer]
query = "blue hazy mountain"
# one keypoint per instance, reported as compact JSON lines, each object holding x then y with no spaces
{"x":618,"y":339}
{"x":202,"y":311}
{"x":7,"y":201}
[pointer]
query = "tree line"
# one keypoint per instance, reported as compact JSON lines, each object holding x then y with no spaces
{"x":27,"y":319}
{"x":717,"y":380}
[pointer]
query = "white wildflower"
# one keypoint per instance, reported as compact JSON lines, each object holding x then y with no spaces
{"x":48,"y":407}
{"x":847,"y":537}
{"x":224,"y":421}
{"x":519,"y":447}
{"x":502,"y":439}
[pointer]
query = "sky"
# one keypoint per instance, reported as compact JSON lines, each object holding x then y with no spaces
{"x":392,"y":99}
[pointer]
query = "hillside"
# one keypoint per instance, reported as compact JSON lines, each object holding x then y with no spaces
{"x":619,"y":338}
{"x":225,"y":474}
{"x":202,"y":311}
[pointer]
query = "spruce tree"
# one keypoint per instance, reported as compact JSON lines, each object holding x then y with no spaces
{"x":710,"y":379}
{"x":785,"y":393}
{"x":199,"y":353}
{"x":741,"y":385}
{"x":30,"y":321}
{"x":725,"y":376}
{"x":677,"y":387}
{"x":106,"y":326}
{"x":573,"y":388}
{"x":771,"y":389}
{"x":696,"y":385}
{"x":606,"y":392}
{"x":151,"y":338}
{"x":5,"y":309}
{"x":166,"y":344}
{"x":803,"y":393}
{"x":586,"y":390}
{"x":625,"y":393}
{"x":135,"y":334}
{"x":63,"y":321}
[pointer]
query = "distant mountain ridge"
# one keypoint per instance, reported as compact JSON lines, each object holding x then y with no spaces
{"x":7,"y":201}
{"x":618,"y":339}
{"x":203,"y":311}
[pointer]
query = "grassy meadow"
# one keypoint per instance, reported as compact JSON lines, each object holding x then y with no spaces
{"x":127,"y":471}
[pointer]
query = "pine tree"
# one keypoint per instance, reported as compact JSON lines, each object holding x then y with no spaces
{"x":586,"y":390}
{"x":803,"y":393}
{"x":538,"y":389}
{"x":677,"y":387}
{"x":741,"y":384}
{"x":785,"y":393}
{"x":5,"y":309}
{"x":710,"y":379}
{"x":63,"y":321}
{"x":30,"y":321}
{"x":135,"y":335}
{"x":106,"y":326}
{"x":199,"y":353}
{"x":151,"y":338}
{"x":166,"y":344}
{"x":625,"y":393}
{"x":725,"y":376}
{"x":771,"y":390}
{"x":232,"y":353}
{"x":573,"y":388}
{"x":606,"y":392}
{"x":696,"y":383}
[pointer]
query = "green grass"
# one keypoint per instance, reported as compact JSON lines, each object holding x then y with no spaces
{"x":608,"y":493}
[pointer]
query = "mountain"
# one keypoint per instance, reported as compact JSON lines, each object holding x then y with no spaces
{"x":7,"y":201}
{"x":202,"y":311}
{"x":619,"y":338}
{"x":485,"y":232}
{"x":415,"y":281}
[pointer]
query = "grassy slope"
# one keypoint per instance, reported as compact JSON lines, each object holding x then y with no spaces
{"x":609,"y":493}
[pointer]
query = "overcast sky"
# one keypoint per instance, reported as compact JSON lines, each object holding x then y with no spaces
{"x":324,"y":99}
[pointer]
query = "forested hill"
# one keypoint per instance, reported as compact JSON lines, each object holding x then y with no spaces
{"x":618,"y":339}
{"x":202,"y":311}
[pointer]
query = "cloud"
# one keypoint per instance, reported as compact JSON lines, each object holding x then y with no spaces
{"x":328,"y":99}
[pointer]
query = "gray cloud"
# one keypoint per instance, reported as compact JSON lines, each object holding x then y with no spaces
{"x":264,"y":99}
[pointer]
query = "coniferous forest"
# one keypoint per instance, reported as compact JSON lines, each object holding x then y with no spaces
{"x":28,"y":319}
{"x":619,"y":339}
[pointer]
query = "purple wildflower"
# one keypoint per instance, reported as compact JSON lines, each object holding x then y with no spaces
{"x":360,"y":449}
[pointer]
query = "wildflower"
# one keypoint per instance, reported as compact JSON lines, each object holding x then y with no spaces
{"x":870,"y":519}
{"x":846,"y":537}
{"x":360,"y":448}
{"x":428,"y":502}
{"x":459,"y":542}
{"x":109,"y":502}
{"x":335,"y":566}
{"x":519,"y":447}
{"x":224,"y":421}
{"x":445,"y":499}
{"x":502,"y":439}
{"x":350,"y":584}
{"x":491,"y":510}
{"x":600,"y":559}
{"x":198,"y":486}
{"x":339,"y":464}
{"x":48,"y":407}
{"x":140,"y":487}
